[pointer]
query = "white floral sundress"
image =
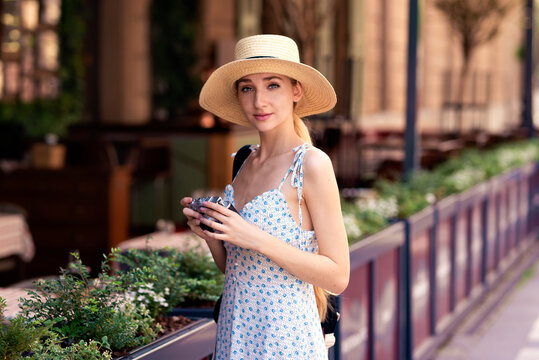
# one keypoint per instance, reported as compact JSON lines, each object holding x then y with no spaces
{"x":266,"y":312}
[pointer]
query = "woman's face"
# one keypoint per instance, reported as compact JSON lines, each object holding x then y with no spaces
{"x":268,"y":99}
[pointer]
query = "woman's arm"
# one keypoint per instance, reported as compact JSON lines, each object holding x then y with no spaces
{"x":216,"y":247}
{"x":330,"y":268}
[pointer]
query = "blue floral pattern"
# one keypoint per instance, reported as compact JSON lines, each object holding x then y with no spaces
{"x":266,"y":312}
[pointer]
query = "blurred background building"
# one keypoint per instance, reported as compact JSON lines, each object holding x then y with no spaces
{"x":117,"y":81}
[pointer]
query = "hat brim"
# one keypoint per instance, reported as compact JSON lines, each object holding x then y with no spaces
{"x":219,"y":93}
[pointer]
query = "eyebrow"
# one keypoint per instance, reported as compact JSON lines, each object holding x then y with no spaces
{"x":267,"y":78}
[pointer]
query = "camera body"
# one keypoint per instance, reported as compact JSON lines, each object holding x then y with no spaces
{"x":196,"y":204}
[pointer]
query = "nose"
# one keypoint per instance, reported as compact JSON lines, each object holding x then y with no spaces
{"x":259,"y":99}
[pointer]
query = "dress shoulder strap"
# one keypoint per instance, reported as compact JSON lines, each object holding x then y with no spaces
{"x":296,"y":178}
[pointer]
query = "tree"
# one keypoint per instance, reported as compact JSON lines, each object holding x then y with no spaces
{"x":299,"y":20}
{"x":476,"y":22}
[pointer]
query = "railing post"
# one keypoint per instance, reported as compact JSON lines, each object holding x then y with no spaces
{"x":453,"y":260}
{"x":405,"y":310}
{"x":372,"y":310}
{"x":432,"y":274}
{"x":530,"y":228}
{"x":484,"y":239}
{"x":497,"y":238}
{"x":469,"y":249}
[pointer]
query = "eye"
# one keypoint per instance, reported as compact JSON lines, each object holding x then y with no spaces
{"x":273,"y":86}
{"x":245,"y":89}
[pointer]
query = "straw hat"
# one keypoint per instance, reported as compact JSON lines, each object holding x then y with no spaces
{"x":265,"y":54}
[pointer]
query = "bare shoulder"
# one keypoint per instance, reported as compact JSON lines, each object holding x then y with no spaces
{"x":317,"y":164}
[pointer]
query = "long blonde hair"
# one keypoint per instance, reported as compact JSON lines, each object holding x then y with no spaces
{"x":321,"y":295}
{"x":301,"y":129}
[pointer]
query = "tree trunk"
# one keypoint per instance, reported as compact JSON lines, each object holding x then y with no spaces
{"x":460,"y":97}
{"x":467,"y":50}
{"x":309,"y":38}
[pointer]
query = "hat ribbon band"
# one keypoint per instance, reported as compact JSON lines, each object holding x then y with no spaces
{"x":261,"y":57}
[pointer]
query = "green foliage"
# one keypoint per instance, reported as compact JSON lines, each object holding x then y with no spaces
{"x":426,"y":187}
{"x":43,"y":116}
{"x":2,"y":308}
{"x":474,"y":166}
{"x":459,"y":174}
{"x":173,"y":54}
{"x":86,"y":309}
{"x":18,"y":335}
{"x":21,"y":338}
{"x":63,"y":317}
{"x":409,"y":199}
{"x":361,"y":222}
{"x":52,"y":349}
{"x":182,"y":279}
{"x":203,"y":280}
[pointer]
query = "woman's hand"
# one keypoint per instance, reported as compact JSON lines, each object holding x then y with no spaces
{"x":216,"y":247}
{"x":192,"y":217}
{"x":232,"y":227}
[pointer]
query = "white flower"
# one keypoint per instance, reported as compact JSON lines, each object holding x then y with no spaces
{"x":352,"y":228}
{"x":466,"y":177}
{"x":430,"y":198}
{"x":161,"y":301}
{"x":385,"y":207}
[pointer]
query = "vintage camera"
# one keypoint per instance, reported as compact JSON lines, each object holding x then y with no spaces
{"x":196,"y":204}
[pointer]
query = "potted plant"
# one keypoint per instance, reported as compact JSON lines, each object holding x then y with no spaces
{"x":49,"y":154}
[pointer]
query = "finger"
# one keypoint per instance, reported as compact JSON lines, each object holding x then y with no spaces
{"x":196,"y":229}
{"x":215,"y":235}
{"x":186,"y":201}
{"x":190,"y":213}
{"x":213,"y":213}
{"x":213,"y":224}
{"x":219,"y":208}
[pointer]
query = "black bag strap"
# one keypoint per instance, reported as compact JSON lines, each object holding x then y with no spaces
{"x":332,"y":317}
{"x":242,"y":155}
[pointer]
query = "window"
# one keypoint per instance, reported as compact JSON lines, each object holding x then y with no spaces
{"x":29,"y":59}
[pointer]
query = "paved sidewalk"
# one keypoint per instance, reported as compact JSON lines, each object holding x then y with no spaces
{"x":510,"y":332}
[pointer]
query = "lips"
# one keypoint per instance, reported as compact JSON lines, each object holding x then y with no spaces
{"x":262,"y":117}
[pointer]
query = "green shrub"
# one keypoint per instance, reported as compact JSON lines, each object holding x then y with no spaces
{"x":426,"y":187}
{"x":51,"y":349}
{"x":18,"y":335}
{"x":180,"y":279}
{"x":119,"y":308}
{"x":409,"y":199}
{"x":364,"y":217}
{"x":85,"y":309}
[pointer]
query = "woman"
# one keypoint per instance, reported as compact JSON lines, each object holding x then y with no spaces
{"x":288,"y":241}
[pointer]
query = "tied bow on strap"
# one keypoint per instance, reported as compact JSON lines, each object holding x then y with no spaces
{"x":296,"y":178}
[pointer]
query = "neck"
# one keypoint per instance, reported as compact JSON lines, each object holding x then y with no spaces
{"x":278,"y":142}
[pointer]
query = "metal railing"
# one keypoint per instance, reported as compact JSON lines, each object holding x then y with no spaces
{"x":412,"y":283}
